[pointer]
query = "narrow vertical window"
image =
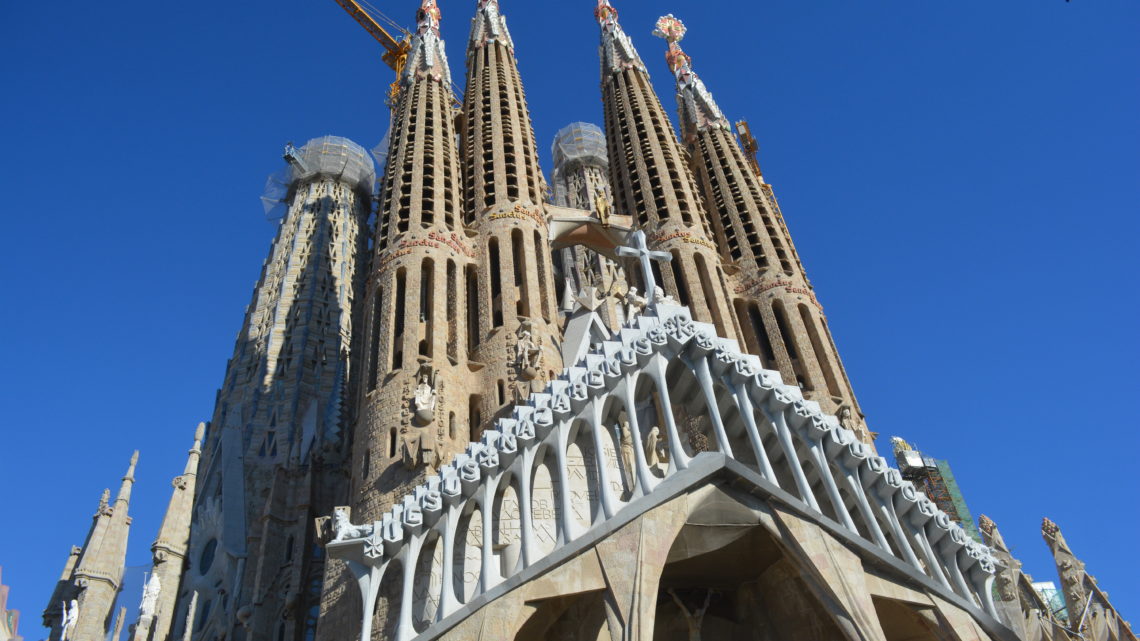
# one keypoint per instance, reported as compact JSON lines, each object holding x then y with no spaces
{"x":820,"y":354}
{"x":377,"y":331}
{"x":791,"y":345}
{"x":452,"y":305}
{"x":470,"y":275}
{"x":518,"y":251}
{"x":708,"y":294}
{"x":398,"y":321}
{"x":427,"y":307}
{"x":475,"y":417}
{"x":678,"y":278}
{"x":544,"y":292}
{"x":496,"y":283}
{"x":763,"y":342}
{"x":392,"y":443}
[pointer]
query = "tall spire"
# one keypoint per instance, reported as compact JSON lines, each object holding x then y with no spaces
{"x":427,"y":56}
{"x":128,"y":480}
{"x":617,"y":49}
{"x":698,"y":110}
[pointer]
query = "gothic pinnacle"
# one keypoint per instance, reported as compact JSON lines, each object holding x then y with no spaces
{"x":698,"y":109}
{"x":426,"y":57}
{"x":128,"y":480}
{"x":618,"y":53}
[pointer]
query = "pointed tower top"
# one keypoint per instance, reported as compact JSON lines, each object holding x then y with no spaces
{"x":992,"y":535}
{"x":131,"y":470}
{"x":489,"y":26}
{"x":698,"y":109}
{"x":199,"y":434}
{"x":428,"y":16}
{"x":1052,"y":533}
{"x":426,"y":57}
{"x":617,"y":49}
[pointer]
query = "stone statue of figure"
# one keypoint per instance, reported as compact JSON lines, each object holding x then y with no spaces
{"x":528,"y":351}
{"x":627,"y":451}
{"x":70,"y":618}
{"x":659,"y":296}
{"x":652,"y":445}
{"x":602,"y":205}
{"x":150,"y":596}
{"x":633,"y":303}
{"x":425,"y":396}
{"x":845,"y":419}
{"x":693,"y":619}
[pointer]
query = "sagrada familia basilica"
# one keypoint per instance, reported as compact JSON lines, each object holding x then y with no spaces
{"x":471,"y":404}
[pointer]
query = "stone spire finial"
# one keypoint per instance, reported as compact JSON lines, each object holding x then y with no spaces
{"x":489,"y":26}
{"x":698,"y":109}
{"x":426,"y":57}
{"x":617,"y":49}
{"x":199,"y":435}
{"x":128,"y":480}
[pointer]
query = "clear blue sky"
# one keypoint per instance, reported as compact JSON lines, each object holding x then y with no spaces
{"x":961,"y":180}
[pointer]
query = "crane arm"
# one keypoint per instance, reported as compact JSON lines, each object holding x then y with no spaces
{"x":396,"y":50}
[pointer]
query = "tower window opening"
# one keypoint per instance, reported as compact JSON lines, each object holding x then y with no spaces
{"x":377,"y":332}
{"x":472,"y":285}
{"x":452,"y":314}
{"x":502,"y":389}
{"x":821,"y":356}
{"x":790,"y":344}
{"x":427,"y":307}
{"x":398,"y":321}
{"x":522,"y":306}
{"x":392,"y":443}
{"x":764,"y":343}
{"x":708,"y":294}
{"x":543,"y":286}
{"x":475,"y":417}
{"x":496,"y":283}
{"x":678,"y":279}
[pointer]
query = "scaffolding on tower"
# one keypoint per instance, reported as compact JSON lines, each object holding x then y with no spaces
{"x":937,"y":482}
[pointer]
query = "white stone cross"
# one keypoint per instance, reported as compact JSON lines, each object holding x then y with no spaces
{"x":638,"y":248}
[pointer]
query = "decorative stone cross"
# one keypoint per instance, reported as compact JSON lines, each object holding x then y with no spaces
{"x":638,"y":248}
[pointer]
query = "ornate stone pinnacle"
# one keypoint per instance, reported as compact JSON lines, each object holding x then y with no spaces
{"x":605,"y":13}
{"x":428,"y":16}
{"x":670,"y":28}
{"x":673,"y":30}
{"x":1049,"y":528}
{"x":986,"y":524}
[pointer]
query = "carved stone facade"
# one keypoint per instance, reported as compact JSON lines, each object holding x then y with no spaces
{"x":613,"y":413}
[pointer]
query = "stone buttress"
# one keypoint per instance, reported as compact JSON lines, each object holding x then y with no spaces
{"x":274,"y":452}
{"x":774,"y":303}
{"x":514,"y":332}
{"x":84,"y":598}
{"x":652,"y":182}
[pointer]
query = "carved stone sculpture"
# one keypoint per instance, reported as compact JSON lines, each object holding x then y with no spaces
{"x":634,"y":303}
{"x":70,"y":617}
{"x":627,"y":459}
{"x":528,"y":352}
{"x":150,"y":596}
{"x":424,"y":400}
{"x":659,"y":296}
{"x":344,"y":528}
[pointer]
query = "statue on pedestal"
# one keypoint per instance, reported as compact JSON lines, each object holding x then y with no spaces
{"x":425,"y":397}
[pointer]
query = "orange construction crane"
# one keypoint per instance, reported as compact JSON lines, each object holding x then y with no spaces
{"x":396,"y":51}
{"x":749,"y":144}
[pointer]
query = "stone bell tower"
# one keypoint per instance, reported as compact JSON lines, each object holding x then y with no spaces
{"x":774,"y":303}
{"x":414,"y":377}
{"x":514,"y":334}
{"x":652,"y":182}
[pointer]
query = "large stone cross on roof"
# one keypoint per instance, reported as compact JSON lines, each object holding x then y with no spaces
{"x":637,"y":247}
